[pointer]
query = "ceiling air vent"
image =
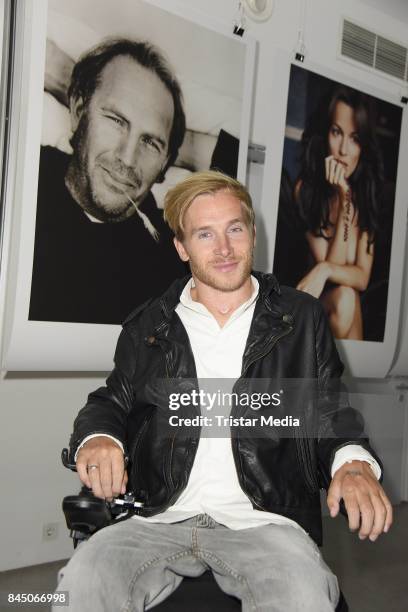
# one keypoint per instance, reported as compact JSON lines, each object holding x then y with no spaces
{"x":373,"y":50}
{"x":358,"y":43}
{"x":391,"y":58}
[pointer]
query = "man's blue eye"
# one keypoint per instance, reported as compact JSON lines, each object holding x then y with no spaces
{"x":237,"y":228}
{"x":204,"y":234}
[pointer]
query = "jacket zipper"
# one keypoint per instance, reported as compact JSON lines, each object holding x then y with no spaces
{"x":301,"y":443}
{"x":136,"y":443}
{"x":270,"y":347}
{"x":167,"y":360}
{"x":168,"y":477}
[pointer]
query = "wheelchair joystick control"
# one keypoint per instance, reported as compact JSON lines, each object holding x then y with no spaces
{"x":85,"y":514}
{"x":128,"y":501}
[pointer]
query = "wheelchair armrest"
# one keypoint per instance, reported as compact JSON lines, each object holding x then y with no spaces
{"x":86,"y":513}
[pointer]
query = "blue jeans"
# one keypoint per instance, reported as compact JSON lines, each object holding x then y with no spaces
{"x":133,"y":566}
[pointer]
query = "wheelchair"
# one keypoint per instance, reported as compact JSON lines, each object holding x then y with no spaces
{"x":86,"y":514}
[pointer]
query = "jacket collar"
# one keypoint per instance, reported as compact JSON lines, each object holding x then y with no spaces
{"x":269,"y":322}
{"x":268,"y":284}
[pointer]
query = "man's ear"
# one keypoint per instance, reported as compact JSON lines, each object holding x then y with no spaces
{"x":181,"y":250}
{"x":76,"y":107}
{"x":254,"y":231}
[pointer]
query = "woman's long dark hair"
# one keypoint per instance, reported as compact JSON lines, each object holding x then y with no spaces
{"x":313,"y":191}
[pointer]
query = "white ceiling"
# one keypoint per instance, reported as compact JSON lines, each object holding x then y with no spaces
{"x":395,"y":8}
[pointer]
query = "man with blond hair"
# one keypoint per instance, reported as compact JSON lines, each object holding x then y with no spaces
{"x":246,"y":506}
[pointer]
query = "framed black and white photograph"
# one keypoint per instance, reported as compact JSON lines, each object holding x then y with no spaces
{"x":126,"y":99}
{"x":338,"y":201}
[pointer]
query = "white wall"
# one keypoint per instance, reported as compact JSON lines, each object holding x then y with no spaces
{"x":36,"y":420}
{"x":36,"y":412}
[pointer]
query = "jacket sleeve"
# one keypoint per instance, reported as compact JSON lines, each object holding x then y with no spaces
{"x":338,"y":423}
{"x":107,"y":408}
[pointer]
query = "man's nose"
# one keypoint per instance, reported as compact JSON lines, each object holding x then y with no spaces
{"x":128,"y":149}
{"x":223,"y":245}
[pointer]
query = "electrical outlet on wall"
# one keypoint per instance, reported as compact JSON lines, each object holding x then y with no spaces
{"x":50,"y":531}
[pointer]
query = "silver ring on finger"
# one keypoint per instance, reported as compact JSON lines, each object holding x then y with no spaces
{"x":92,"y":466}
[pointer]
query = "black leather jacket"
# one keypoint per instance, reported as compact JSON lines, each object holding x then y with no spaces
{"x":289,"y":338}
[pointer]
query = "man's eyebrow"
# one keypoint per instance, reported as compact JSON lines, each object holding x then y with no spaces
{"x":112,"y":109}
{"x":237,"y":220}
{"x":203,"y":228}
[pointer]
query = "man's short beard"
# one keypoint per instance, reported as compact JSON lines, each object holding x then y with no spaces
{"x":81,"y":189}
{"x":202,"y":274}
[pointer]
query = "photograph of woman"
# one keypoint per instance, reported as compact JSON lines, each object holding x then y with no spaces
{"x":340,"y":198}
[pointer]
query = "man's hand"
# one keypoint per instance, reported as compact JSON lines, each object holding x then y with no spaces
{"x":101,"y":467}
{"x":368,"y":508}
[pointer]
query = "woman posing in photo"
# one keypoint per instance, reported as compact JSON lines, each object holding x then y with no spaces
{"x":337,"y":195}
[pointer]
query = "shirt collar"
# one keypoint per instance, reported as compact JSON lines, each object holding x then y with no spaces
{"x":187,"y":301}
